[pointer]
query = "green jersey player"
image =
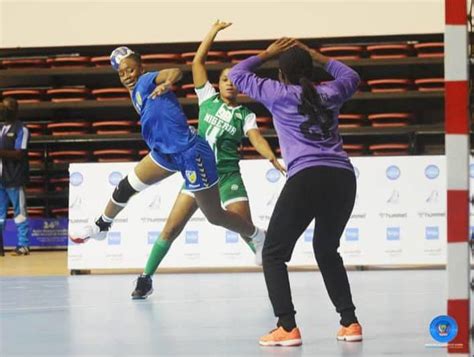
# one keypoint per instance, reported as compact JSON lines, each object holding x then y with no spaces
{"x":223,"y":123}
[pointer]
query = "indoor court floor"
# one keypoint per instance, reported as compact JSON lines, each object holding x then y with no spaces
{"x":214,"y":314}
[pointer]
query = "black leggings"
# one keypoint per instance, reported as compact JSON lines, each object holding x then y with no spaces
{"x":326,"y":194}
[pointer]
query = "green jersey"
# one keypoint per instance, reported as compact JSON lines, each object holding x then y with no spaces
{"x":223,"y":127}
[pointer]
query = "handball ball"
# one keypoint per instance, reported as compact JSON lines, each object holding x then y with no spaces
{"x":118,"y":55}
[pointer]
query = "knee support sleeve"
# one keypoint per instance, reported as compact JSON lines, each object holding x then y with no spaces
{"x":126,"y":188}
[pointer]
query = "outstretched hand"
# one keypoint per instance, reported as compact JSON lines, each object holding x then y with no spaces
{"x":221,"y":25}
{"x":276,"y":164}
{"x":303,"y":46}
{"x":280,"y":46}
{"x":315,"y":55}
{"x":161,"y":89}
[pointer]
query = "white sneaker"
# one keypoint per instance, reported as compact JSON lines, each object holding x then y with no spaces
{"x":258,"y":242}
{"x":85,"y":233}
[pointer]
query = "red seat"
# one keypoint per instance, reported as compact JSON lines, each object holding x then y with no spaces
{"x":69,"y":128}
{"x":36,"y":211}
{"x":429,"y":49}
{"x":249,"y":152}
{"x":35,"y":157}
{"x":389,"y":51}
{"x":15,"y":63}
{"x":114,"y":155}
{"x":35,"y":185}
{"x":113,"y":127}
{"x":67,"y":156}
{"x":342,"y":52}
{"x":193,"y":122}
{"x":237,"y":56}
{"x":143,"y":153}
{"x":158,"y":58}
{"x":59,"y":183}
{"x":430,"y":84}
{"x":351,"y":120}
{"x":35,"y":129}
{"x":389,"y":149}
{"x":32,"y":212}
{"x":119,"y":93}
{"x":390,"y":119}
{"x":60,"y":212}
{"x":24,"y":95}
{"x":389,"y":85}
{"x":264,"y":123}
{"x":212,"y":57}
{"x":101,"y":61}
{"x":69,"y":61}
{"x":354,"y":149}
{"x":188,"y":90}
{"x":60,"y":95}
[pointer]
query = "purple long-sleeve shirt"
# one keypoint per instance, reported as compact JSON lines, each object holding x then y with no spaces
{"x":282,"y":100}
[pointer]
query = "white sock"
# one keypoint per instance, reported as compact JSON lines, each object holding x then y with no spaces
{"x":107,"y":219}
{"x":255,"y":233}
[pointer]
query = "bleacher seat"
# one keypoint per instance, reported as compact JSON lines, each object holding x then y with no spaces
{"x":69,"y":61}
{"x":389,"y":85}
{"x":118,"y":93}
{"x":68,"y":156}
{"x":68,"y":128}
{"x":114,"y":127}
{"x":19,"y":63}
{"x":430,"y":49}
{"x":389,"y":149}
{"x":390,"y":119}
{"x":237,"y":56}
{"x":389,"y":51}
{"x":114,"y":155}
{"x":159,"y":58}
{"x":62,"y":95}
{"x":430,"y":84}
{"x":351,"y":120}
{"x":212,"y":57}
{"x":343,"y":52}
{"x":25,"y":95}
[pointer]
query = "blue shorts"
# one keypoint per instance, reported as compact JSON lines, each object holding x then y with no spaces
{"x":196,"y":164}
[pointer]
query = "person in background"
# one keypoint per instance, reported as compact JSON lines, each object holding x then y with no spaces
{"x":14,"y":173}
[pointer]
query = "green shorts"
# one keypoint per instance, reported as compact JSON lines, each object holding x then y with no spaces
{"x":231,"y":188}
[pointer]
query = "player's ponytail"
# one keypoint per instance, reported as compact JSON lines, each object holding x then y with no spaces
{"x":296,"y":65}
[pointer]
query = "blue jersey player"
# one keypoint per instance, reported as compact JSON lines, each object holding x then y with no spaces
{"x":174,"y":146}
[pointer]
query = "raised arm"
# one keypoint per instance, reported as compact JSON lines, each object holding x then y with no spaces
{"x":169,"y":75}
{"x":263,"y":147}
{"x":346,"y":80}
{"x":198,"y":67}
{"x":165,"y":80}
{"x":264,"y":90}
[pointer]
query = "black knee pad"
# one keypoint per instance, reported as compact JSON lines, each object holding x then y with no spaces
{"x":123,"y":192}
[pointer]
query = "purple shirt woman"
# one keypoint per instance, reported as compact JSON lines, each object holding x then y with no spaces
{"x":321,"y":184}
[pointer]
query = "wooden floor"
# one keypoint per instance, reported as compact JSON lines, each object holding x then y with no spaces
{"x":37,"y":263}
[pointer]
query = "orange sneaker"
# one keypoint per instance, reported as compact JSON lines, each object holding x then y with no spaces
{"x":352,"y":333}
{"x":279,"y":337}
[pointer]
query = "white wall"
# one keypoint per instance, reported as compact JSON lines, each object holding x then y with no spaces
{"x":81,"y":22}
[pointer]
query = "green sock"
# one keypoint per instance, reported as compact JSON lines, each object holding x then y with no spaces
{"x":250,"y":244}
{"x":158,"y":252}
